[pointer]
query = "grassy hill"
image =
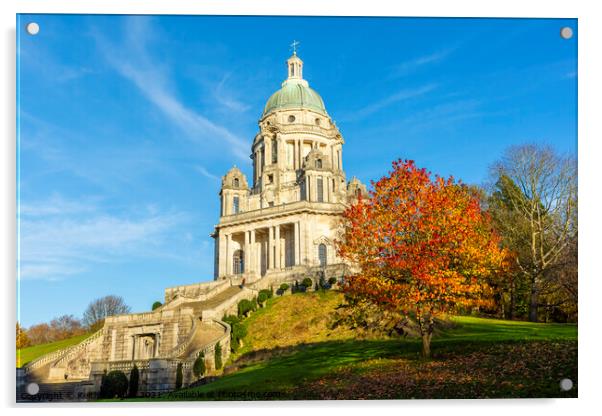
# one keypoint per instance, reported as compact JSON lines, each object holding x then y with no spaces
{"x":28,"y":354}
{"x":290,"y":353}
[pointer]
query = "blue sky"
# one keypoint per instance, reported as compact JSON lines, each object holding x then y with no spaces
{"x":126,"y":124}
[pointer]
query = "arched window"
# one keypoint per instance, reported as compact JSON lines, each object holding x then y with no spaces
{"x":322,"y":255}
{"x":320,"y":190}
{"x":235,"y":205}
{"x":319,"y":163}
{"x":238,"y":265}
{"x":235,"y":182}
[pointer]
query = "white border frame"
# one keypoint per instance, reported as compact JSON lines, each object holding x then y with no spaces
{"x":590,"y":138}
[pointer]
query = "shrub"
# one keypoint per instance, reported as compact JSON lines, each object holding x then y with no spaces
{"x":283,"y":288}
{"x":103,"y":385}
{"x":332,"y":280}
{"x":231,"y":319}
{"x":238,"y":333}
{"x":179,"y":376}
{"x":156,"y":305}
{"x":198,"y":368}
{"x":307,"y":282}
{"x":267,"y":292}
{"x":245,"y":306}
{"x":241,"y":330}
{"x":218,"y":356}
{"x":262,"y":298}
{"x":114,"y":384}
{"x":134,"y":377}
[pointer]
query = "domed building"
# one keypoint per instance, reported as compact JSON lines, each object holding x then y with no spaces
{"x":279,"y":227}
{"x":284,"y":222}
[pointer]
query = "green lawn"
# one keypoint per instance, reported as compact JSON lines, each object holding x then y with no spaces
{"x":475,"y":358}
{"x":28,"y":354}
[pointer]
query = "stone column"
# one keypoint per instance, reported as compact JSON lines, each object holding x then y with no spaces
{"x":252,"y":252}
{"x":228,"y":258}
{"x":259,"y":163}
{"x":267,"y":150}
{"x":176,"y":330}
{"x":305,"y":242}
{"x":158,"y":344}
{"x":297,"y":245}
{"x":247,"y":254}
{"x":221,"y":254}
{"x":132,"y":347}
{"x":277,"y":263}
{"x":254,"y":168}
{"x":113,"y":344}
{"x":270,"y":249}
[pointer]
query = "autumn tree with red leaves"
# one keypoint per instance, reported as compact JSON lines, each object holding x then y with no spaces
{"x":421,"y":247}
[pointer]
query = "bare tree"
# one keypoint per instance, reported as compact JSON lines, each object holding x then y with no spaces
{"x":99,"y":309}
{"x":66,"y":326}
{"x":39,"y":334}
{"x":541,"y":188}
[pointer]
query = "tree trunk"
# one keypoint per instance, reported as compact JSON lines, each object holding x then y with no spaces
{"x":512,"y":300}
{"x":533,"y":306}
{"x":426,"y":346}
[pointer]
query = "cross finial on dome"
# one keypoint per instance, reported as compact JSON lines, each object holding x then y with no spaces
{"x":294,"y":46}
{"x":295,"y":64}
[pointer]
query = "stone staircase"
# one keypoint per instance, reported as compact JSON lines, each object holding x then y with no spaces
{"x":206,"y":332}
{"x":215,"y":301}
{"x":204,"y":335}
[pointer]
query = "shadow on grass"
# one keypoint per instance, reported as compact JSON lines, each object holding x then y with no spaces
{"x":276,"y":374}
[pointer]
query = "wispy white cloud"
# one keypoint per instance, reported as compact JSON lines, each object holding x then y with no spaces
{"x":67,"y":151}
{"x":415,"y":64}
{"x":206,"y":173}
{"x":58,"y":205}
{"x":132,"y":60}
{"x":59,"y":238}
{"x":224,"y":96}
{"x":379,"y":105}
{"x":35,"y":57}
{"x":444,"y":115}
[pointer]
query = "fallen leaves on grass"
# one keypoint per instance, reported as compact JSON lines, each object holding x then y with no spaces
{"x":528,"y":369}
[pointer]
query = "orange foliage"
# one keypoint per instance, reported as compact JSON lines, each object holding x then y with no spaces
{"x":422,"y":245}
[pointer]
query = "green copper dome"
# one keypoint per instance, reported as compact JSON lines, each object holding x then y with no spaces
{"x":295,"y":94}
{"x":295,"y":91}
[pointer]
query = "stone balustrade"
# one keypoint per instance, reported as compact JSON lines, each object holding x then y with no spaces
{"x":196,"y":291}
{"x":59,"y":354}
{"x":284,"y":209}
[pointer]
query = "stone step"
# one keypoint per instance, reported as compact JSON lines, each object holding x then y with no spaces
{"x":205,"y":334}
{"x":216,"y":300}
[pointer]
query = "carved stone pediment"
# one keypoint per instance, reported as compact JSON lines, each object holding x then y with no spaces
{"x":323,"y":240}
